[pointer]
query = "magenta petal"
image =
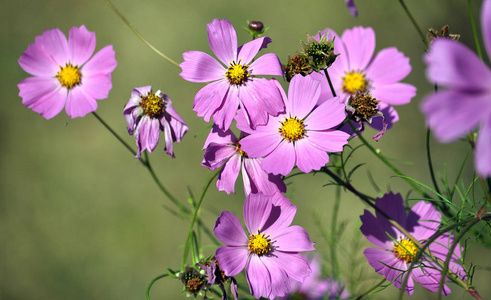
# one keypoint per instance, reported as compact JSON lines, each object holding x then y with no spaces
{"x":169,"y":141}
{"x":43,"y":95}
{"x":223,"y":40}
{"x":329,"y":114}
{"x":78,"y":103}
{"x":393,"y":94}
{"x":147,"y":135}
{"x":216,"y":155}
{"x":267,"y":64}
{"x":224,"y":115}
{"x":258,"y":277}
{"x":232,"y":259}
{"x":281,"y":160}
{"x":293,"y":239}
{"x":36,"y":62}
{"x":260,"y":144}
{"x":393,"y":205}
{"x":360,"y":44}
{"x":303,"y":94}
{"x":53,"y":42}
{"x":209,"y":98}
{"x":329,"y":140}
{"x":139,"y":92}
{"x":377,"y":232}
{"x":259,"y":180}
{"x":388,"y":66}
{"x":219,"y":136}
{"x":352,"y":7}
{"x":228,"y":175}
{"x":309,"y":157}
{"x":452,"y":64}
{"x":259,"y":98}
{"x":429,"y":279}
{"x":280,"y":282}
{"x":201,"y":67}
{"x":97,"y":86}
{"x":250,"y":49}
{"x":483,"y":145}
{"x":423,"y":220}
{"x":229,"y":230}
{"x":103,"y":62}
{"x":281,"y":216}
{"x":486,"y":25}
{"x":257,"y":209}
{"x":81,"y":45}
{"x":451,"y":114}
{"x":294,"y":265}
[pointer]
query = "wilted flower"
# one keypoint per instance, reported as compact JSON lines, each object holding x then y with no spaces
{"x":194,"y":282}
{"x":148,"y":113}
{"x":433,"y":34}
{"x":297,"y":65}
{"x":396,"y":251}
{"x":362,"y":107}
{"x":217,"y":277}
{"x":270,"y":253}
{"x":65,"y":75}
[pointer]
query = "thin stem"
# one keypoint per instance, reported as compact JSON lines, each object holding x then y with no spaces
{"x":415,"y":24}
{"x":115,"y":135}
{"x":474,"y":31}
{"x":483,"y":186}
{"x":195,"y":217}
{"x":371,"y":289}
{"x":430,"y":164}
{"x":330,"y":83}
{"x":152,"y":282}
{"x":120,"y":15}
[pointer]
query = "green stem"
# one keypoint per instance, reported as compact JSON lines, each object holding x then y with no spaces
{"x":152,"y":282}
{"x":195,"y":217}
{"x":371,"y":289}
{"x":120,"y":15}
{"x":474,"y":31}
{"x":116,"y":135}
{"x":330,"y":83}
{"x":430,"y":164}
{"x":415,"y":24}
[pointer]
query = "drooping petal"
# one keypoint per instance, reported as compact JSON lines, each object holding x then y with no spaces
{"x":147,"y":134}
{"x":329,"y":140}
{"x":308,"y":156}
{"x":281,"y":160}
{"x":140,"y":92}
{"x":482,"y":159}
{"x":229,"y":230}
{"x":216,"y":155}
{"x":250,"y":49}
{"x":201,"y":67}
{"x":257,"y":209}
{"x":168,"y":135}
{"x":53,"y":42}
{"x":303,"y":94}
{"x":36,"y":62}
{"x":224,"y":115}
{"x":393,"y":94}
{"x":267,"y":64}
{"x":258,"y":277}
{"x":223,"y":40}
{"x":232,"y":259}
{"x":451,"y":63}
{"x":389,"y":66}
{"x":97,"y":86}
{"x":79,"y":103}
{"x":220,"y":136}
{"x":328,"y":115}
{"x":81,"y":45}
{"x":43,"y":95}
{"x":209,"y":98}
{"x":451,"y":113}
{"x":228,"y":175}
{"x":360,"y":44}
{"x":103,"y":62}
{"x":293,"y":239}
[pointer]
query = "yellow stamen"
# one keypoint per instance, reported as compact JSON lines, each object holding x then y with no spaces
{"x":292,"y":129}
{"x":237,"y":148}
{"x":152,"y":105}
{"x":405,"y":250}
{"x":69,"y":75}
{"x":259,"y":244}
{"x":237,"y":73}
{"x":354,"y":81}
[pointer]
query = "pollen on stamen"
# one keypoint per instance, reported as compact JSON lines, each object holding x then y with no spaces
{"x":242,"y":153}
{"x":405,"y":250}
{"x":152,"y":105}
{"x":69,"y":75}
{"x":354,"y":81}
{"x":259,"y":244}
{"x":237,"y":73}
{"x":292,"y":129}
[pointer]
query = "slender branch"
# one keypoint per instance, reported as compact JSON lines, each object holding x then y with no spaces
{"x":474,"y":31}
{"x":123,"y":18}
{"x":430,"y":164}
{"x":116,"y":135}
{"x":371,"y":289}
{"x":485,"y":190}
{"x":330,"y":83}
{"x":152,"y":282}
{"x":415,"y":24}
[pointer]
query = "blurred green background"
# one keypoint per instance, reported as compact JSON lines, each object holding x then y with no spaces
{"x":80,"y":218}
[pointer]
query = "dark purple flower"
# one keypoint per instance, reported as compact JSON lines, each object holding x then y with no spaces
{"x":396,"y":251}
{"x":352,"y":7}
{"x":270,"y":252}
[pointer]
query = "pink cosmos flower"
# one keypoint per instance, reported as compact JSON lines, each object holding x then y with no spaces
{"x":65,"y":73}
{"x":355,"y":70}
{"x":224,"y":149}
{"x":301,"y":135}
{"x":396,"y":251}
{"x":466,"y":102}
{"x":270,"y":252}
{"x":148,"y":113}
{"x":316,"y":287}
{"x":235,"y":83}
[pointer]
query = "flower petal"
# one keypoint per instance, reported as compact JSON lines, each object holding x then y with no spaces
{"x":393,"y":205}
{"x":393,"y":94}
{"x":376,"y":232}
{"x":308,"y":156}
{"x":258,"y":277}
{"x":201,"y":67}
{"x":36,"y":62}
{"x":429,"y":279}
{"x":267,"y":64}
{"x":423,"y":220}
{"x":78,"y":103}
{"x":280,"y":282}
{"x":257,"y":209}
{"x":486,"y":25}
{"x":216,"y":155}
{"x":250,"y":49}
{"x":43,"y":95}
{"x":225,"y":114}
{"x":81,"y":45}
{"x":259,"y":180}
{"x":147,"y":135}
{"x":281,"y":215}
{"x":97,"y":86}
{"x":229,"y":230}
{"x":232,"y":259}
{"x":103,"y":62}
{"x":329,"y":140}
{"x":293,"y":239}
{"x":389,"y":66}
{"x":260,"y":144}
{"x":220,"y":136}
{"x":223,"y":40}
{"x":53,"y":42}
{"x":303,"y":94}
{"x":228,"y":175}
{"x":210,"y":98}
{"x":360,"y":44}
{"x":294,"y":265}
{"x":281,"y":160}
{"x":327,"y":115}
{"x":482,"y":159}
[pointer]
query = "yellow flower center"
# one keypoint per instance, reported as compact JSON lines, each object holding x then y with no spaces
{"x":237,"y":148}
{"x":152,"y":105}
{"x":405,"y":250}
{"x":237,"y":73}
{"x":292,"y":129}
{"x":69,"y":75}
{"x":354,"y":81}
{"x":259,"y":244}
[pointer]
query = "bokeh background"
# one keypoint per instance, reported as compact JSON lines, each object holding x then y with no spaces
{"x":80,"y":218}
